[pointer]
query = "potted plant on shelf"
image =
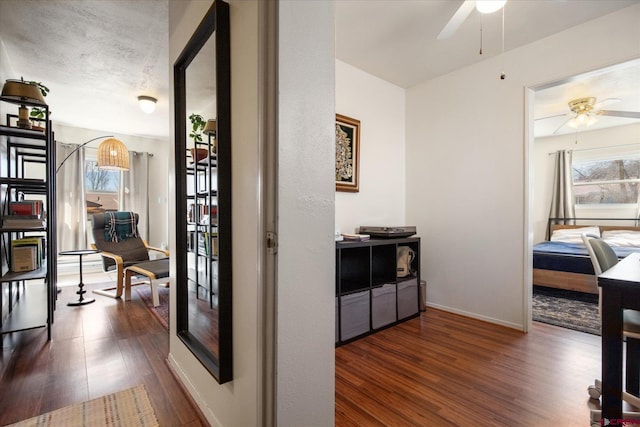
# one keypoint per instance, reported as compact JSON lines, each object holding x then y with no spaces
{"x":197,"y":126}
{"x":37,"y":113}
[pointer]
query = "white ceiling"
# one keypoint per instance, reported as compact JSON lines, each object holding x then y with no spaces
{"x":97,"y":56}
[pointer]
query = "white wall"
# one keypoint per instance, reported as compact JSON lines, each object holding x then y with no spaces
{"x":236,"y":403}
{"x":158,"y":164}
{"x":466,"y":154}
{"x":305,"y":295}
{"x":380,"y":107}
{"x":544,"y":166}
{"x":306,"y":255}
{"x":6,"y":71}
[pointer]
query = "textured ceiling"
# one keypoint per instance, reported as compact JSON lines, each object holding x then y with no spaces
{"x":97,"y":56}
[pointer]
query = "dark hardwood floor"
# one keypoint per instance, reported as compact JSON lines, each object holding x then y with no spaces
{"x":96,"y":349}
{"x":447,"y":370}
{"x":437,"y":370}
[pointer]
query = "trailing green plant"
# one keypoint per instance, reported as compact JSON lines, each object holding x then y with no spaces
{"x":37,"y":112}
{"x":197,"y":126}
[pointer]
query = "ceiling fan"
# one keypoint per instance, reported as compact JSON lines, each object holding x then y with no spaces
{"x":465,"y":9}
{"x":584,"y":111}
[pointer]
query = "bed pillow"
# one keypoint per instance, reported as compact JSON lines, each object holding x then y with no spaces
{"x":573,"y":235}
{"x":626,"y":238}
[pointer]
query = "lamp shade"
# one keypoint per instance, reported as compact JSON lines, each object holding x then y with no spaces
{"x":210,"y":128}
{"x":113,"y":154}
{"x":21,"y":91}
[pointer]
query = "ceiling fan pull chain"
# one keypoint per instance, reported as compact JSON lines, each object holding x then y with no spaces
{"x":480,"y":35}
{"x":502,"y":74}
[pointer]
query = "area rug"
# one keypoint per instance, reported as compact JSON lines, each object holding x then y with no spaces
{"x":160,"y":312}
{"x":127,"y":408}
{"x":572,"y":310}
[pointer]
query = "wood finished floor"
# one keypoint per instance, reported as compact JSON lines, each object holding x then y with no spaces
{"x":437,"y":370}
{"x":447,"y":370}
{"x":97,"y":349}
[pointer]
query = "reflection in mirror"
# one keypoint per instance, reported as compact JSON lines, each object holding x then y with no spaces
{"x":203,"y":190}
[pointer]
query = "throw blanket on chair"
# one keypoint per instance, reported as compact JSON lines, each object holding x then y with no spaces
{"x":119,"y":226}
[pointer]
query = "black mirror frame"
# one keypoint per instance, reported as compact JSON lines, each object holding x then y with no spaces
{"x":216,"y":20}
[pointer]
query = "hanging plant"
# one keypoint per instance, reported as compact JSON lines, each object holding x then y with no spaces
{"x":197,"y":126}
{"x":37,"y":112}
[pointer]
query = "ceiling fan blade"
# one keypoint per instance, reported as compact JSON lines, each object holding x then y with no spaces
{"x":457,"y":19}
{"x":555,"y":115}
{"x":627,"y":114}
{"x":598,"y":105}
{"x":562,"y":125}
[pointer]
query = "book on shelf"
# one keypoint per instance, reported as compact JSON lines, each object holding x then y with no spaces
{"x":355,"y":237}
{"x":33,"y":208}
{"x":36,"y":244}
{"x":24,"y":258}
{"x":205,"y":242}
{"x":19,"y":221}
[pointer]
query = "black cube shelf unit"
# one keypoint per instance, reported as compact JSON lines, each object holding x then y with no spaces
{"x":369,"y":293}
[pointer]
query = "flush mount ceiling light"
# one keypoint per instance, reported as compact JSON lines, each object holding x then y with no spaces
{"x":489,"y":6}
{"x":147,"y":103}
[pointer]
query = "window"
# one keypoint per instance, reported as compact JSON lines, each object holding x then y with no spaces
{"x":102,"y":188}
{"x":606,"y":180}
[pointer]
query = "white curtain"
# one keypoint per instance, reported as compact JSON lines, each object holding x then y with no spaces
{"x":562,"y":201}
{"x":134,"y":190}
{"x":638,"y":213}
{"x":70,"y":198}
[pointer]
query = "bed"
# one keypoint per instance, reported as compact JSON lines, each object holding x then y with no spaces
{"x":563,"y":261}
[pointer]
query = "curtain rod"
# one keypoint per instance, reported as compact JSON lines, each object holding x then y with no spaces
{"x":599,"y":148}
{"x":95,"y":148}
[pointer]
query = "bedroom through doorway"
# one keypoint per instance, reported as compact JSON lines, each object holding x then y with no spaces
{"x":585,"y":157}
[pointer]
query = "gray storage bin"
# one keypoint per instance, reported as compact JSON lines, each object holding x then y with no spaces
{"x":354,"y":315}
{"x":383,"y":306}
{"x":407,"y":298}
{"x":337,"y":322}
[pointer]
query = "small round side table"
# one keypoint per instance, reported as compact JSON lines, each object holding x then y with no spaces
{"x":80,"y":253}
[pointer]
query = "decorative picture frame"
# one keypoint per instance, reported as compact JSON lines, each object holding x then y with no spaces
{"x":347,"y":154}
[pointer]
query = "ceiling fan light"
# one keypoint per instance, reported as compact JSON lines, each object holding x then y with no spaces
{"x":147,"y":103}
{"x":591,"y":120}
{"x":489,"y":6}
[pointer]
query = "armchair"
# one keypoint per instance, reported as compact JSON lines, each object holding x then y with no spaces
{"x":116,"y":236}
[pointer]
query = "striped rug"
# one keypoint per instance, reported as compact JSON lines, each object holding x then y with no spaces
{"x":127,"y":408}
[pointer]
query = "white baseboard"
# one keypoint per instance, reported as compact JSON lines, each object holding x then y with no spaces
{"x":197,"y":398}
{"x":516,"y":326}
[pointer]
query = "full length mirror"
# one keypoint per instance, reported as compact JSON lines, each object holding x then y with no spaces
{"x":203,"y":194}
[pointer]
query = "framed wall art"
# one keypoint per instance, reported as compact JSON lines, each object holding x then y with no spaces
{"x":347,"y":153}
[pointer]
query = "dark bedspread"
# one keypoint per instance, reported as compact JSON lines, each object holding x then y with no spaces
{"x":569,"y":257}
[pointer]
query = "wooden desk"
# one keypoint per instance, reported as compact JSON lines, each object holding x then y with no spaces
{"x":620,"y":289}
